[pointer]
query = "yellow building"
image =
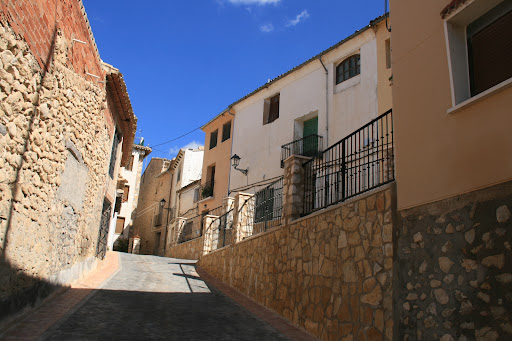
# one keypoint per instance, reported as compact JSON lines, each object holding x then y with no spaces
{"x":216,"y":161}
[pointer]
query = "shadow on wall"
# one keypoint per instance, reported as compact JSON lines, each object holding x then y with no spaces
{"x":18,"y":290}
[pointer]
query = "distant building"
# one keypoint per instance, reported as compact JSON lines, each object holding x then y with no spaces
{"x":163,"y":184}
{"x":154,"y":206}
{"x":128,"y":185}
{"x":216,"y":162}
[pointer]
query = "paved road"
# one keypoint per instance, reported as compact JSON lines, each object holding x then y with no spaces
{"x":156,"y":298}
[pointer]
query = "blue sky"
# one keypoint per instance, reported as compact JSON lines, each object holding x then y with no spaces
{"x":185,"y":61}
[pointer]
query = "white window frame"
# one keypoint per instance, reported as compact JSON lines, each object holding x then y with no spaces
{"x":455,"y":25}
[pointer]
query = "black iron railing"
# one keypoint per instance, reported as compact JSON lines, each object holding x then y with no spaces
{"x":222,"y":237}
{"x":216,"y":211}
{"x":268,"y":204}
{"x":191,"y":229}
{"x":310,"y":145}
{"x":206,"y":190}
{"x":360,"y":162}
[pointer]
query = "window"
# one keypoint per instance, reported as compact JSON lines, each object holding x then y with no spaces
{"x":113,"y":154}
{"x":478,"y":47}
{"x":213,"y":139}
{"x":159,"y":213}
{"x":196,"y":195}
{"x":119,"y":225}
{"x":226,"y":131}
{"x":178,"y":175}
{"x":388,"y":54}
{"x":130,"y":165}
{"x":126,"y":193}
{"x":348,"y":68}
{"x":489,"y":50}
{"x":271,"y":109}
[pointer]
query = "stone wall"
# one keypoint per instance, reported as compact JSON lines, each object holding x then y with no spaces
{"x":330,"y":273}
{"x":47,"y":116}
{"x":192,"y":249}
{"x":455,"y":268}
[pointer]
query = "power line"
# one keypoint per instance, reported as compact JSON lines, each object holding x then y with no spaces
{"x":177,"y":138}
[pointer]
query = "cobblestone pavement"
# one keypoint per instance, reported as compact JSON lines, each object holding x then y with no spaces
{"x":156,"y":298}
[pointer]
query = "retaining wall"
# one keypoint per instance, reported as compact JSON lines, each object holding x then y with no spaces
{"x":330,"y":273}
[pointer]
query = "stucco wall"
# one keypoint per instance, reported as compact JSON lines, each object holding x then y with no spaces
{"x":351,"y":104}
{"x":440,"y":154}
{"x":330,"y":273}
{"x":220,"y":157}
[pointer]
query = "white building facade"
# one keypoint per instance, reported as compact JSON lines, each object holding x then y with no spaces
{"x":314,"y":98}
{"x":128,"y":185}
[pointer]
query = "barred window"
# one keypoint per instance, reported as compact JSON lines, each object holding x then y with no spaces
{"x":348,"y":68}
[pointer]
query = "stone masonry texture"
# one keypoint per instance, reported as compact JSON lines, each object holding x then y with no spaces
{"x":455,"y":268}
{"x":192,"y":249}
{"x":47,"y":105}
{"x":330,"y":273}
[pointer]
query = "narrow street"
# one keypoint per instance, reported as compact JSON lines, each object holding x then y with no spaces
{"x":156,"y":298}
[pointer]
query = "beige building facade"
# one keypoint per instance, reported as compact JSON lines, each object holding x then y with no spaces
{"x":216,"y":162}
{"x":128,"y":186}
{"x":154,"y":206}
{"x":452,"y":101}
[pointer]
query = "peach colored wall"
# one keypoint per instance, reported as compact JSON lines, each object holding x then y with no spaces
{"x":383,"y":83}
{"x":220,"y":156}
{"x":439,"y":155}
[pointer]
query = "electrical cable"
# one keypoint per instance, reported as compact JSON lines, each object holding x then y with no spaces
{"x":177,"y":138}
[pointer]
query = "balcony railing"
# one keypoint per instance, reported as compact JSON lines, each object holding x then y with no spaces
{"x":311,"y":145}
{"x":358,"y":163}
{"x":206,"y":190}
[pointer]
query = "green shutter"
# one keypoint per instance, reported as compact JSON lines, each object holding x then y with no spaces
{"x":310,"y":145}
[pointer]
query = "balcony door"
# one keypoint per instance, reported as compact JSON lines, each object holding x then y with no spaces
{"x":310,"y":145}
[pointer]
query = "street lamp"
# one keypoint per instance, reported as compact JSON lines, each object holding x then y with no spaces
{"x":235,"y":161}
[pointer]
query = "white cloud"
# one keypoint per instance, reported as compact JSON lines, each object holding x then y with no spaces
{"x":190,"y":145}
{"x":301,"y":16}
{"x":267,"y":28}
{"x":254,"y":2}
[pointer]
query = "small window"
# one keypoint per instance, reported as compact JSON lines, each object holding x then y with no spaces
{"x":271,"y":109}
{"x":348,"y":68}
{"x":113,"y":153}
{"x":119,"y":225}
{"x":388,"y":54}
{"x":130,"y":165}
{"x":226,"y":131}
{"x":213,"y":139}
{"x":126,"y":193}
{"x":196,"y":194}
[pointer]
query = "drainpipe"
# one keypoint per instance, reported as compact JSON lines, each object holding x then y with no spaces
{"x":326,"y":103}
{"x":231,"y":153}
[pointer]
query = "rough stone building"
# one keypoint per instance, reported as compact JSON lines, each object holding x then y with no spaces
{"x":154,"y":206}
{"x":66,"y":124}
{"x":128,"y":185}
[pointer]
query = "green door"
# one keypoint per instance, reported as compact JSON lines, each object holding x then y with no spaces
{"x":310,"y":142}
